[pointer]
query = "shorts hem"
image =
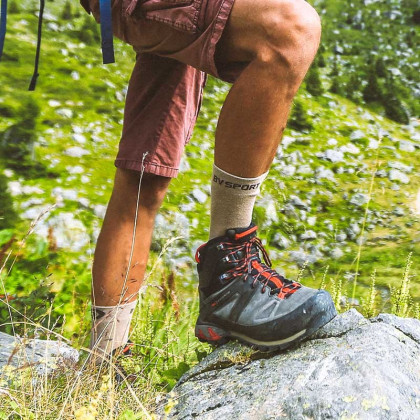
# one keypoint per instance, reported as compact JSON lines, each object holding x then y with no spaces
{"x":149,"y":167}
{"x":221,"y":19}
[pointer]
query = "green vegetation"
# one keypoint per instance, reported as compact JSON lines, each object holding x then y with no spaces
{"x":366,"y":249}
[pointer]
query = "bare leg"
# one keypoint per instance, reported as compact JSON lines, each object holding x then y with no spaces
{"x":279,"y":39}
{"x":114,"y":242}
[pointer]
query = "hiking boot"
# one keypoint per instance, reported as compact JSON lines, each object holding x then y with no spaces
{"x":242,"y":298}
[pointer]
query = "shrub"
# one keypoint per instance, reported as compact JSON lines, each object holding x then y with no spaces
{"x":299,"y":119}
{"x":313,"y":82}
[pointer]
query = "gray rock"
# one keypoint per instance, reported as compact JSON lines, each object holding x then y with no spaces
{"x":359,"y":199}
{"x":324,"y":173}
{"x":199,"y":196}
{"x":44,"y":356}
{"x":295,"y":201}
{"x":399,"y":212}
{"x":280,"y":241}
{"x":351,"y":368}
{"x":373,"y":144}
{"x":407,"y":146}
{"x":288,"y":170}
{"x":76,"y":151}
{"x":400,"y":166}
{"x":350,"y":148}
{"x":341,"y":237}
{"x":65,"y":112}
{"x":381,"y":173}
{"x":308,"y":235}
{"x":357,"y":135}
{"x":336,"y":253}
{"x":301,"y":257}
{"x":334,"y":155}
{"x":396,"y":175}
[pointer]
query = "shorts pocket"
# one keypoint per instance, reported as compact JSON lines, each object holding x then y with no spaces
{"x":180,"y":14}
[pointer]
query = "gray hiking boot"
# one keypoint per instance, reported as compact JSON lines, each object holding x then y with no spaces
{"x":243,"y":298}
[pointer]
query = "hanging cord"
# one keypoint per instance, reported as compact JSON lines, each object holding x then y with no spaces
{"x":32,"y":85}
{"x":3,"y":24}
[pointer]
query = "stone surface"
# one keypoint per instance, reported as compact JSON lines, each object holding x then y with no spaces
{"x":44,"y":355}
{"x":351,"y":368}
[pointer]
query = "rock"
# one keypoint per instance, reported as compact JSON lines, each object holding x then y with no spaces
{"x":351,"y":368}
{"x":199,"y":196}
{"x":381,"y":173}
{"x":288,"y":171}
{"x":295,"y":201}
{"x":280,"y":241}
{"x":308,"y":235}
{"x":353,"y":230}
{"x":44,"y":355}
{"x":67,"y":231}
{"x":76,"y":151}
{"x":336,"y":253}
{"x":100,"y":210}
{"x":341,"y":237}
{"x":407,"y":146}
{"x":350,"y":148}
{"x":305,"y":170}
{"x":301,"y":257}
{"x":359,"y":199}
{"x":373,"y":144}
{"x":357,"y":135}
{"x":396,"y":175}
{"x":65,"y":112}
{"x":79,"y":138}
{"x":400,"y":166}
{"x":324,"y":173}
{"x":334,"y":155}
{"x":311,"y":221}
{"x":399,"y":212}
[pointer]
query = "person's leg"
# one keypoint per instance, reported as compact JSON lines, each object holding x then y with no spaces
{"x":241,"y":296}
{"x":161,"y":108}
{"x":279,"y":39}
{"x":110,"y":267}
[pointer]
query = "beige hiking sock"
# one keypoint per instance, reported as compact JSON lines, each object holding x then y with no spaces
{"x":110,"y":327}
{"x":232,"y":201}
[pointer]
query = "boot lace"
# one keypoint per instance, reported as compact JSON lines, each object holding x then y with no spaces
{"x":249,"y":262}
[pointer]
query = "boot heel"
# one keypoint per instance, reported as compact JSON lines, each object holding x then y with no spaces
{"x":211,"y":334}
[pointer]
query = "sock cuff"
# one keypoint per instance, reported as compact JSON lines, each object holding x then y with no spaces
{"x":231,"y":184}
{"x":230,"y":177}
{"x":124,"y":306}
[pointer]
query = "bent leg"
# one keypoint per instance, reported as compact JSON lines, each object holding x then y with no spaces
{"x":279,"y":39}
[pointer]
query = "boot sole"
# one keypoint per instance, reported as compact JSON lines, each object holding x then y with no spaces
{"x":214,"y":335}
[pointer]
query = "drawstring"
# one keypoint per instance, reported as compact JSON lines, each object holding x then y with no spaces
{"x":32,"y":85}
{"x":3,"y":23}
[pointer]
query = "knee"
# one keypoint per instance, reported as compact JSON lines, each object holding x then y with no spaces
{"x":152,"y":191}
{"x":292,"y":31}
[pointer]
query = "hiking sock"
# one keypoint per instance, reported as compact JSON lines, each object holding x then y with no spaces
{"x":110,"y":327}
{"x":232,"y":201}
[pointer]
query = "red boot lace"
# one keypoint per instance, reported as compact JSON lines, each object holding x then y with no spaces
{"x":251,"y":264}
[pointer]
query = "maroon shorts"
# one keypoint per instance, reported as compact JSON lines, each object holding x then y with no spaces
{"x":175,"y":41}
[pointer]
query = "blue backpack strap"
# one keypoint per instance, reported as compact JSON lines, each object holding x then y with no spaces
{"x":3,"y":24}
{"x":38,"y":46}
{"x":105,"y":11}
